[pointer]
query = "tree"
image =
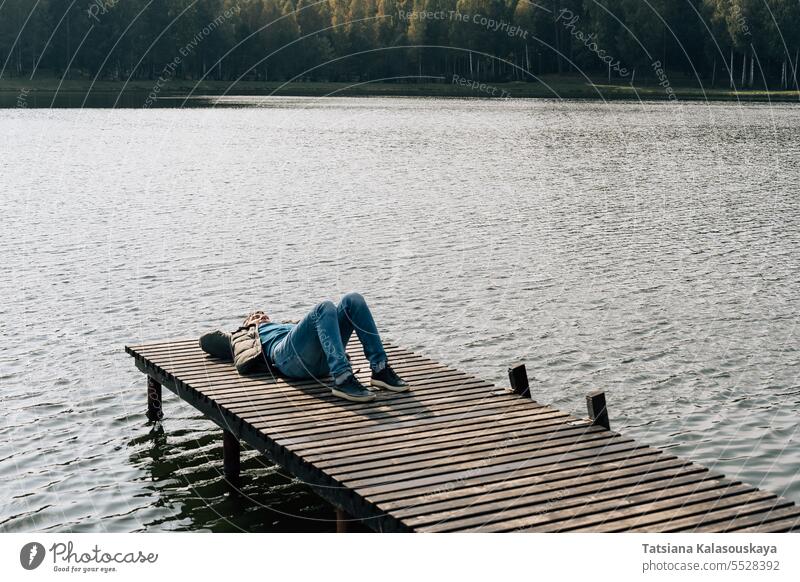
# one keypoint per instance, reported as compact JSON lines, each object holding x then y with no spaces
{"x":738,"y":41}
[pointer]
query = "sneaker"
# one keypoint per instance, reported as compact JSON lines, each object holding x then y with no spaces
{"x":387,"y":378}
{"x":353,"y":390}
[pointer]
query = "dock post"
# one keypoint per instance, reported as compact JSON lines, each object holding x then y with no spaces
{"x":596,"y":404}
{"x":518,"y":376}
{"x":231,"y":460}
{"x":341,"y":520}
{"x":154,"y":411}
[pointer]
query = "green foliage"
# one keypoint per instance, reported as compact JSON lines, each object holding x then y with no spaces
{"x":359,"y":40}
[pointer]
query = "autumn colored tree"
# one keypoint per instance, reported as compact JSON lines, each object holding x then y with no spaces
{"x":731,"y":42}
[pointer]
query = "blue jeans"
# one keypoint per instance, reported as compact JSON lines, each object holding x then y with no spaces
{"x":314,"y":348}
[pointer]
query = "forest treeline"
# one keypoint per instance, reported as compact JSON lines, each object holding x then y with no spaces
{"x":722,"y":42}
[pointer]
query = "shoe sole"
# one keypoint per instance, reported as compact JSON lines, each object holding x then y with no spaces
{"x":352,"y":398}
{"x":379,"y":384}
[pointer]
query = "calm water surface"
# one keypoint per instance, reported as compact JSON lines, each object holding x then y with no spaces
{"x":650,"y":250}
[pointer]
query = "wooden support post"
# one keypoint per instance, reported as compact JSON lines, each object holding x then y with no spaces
{"x":596,"y":404}
{"x":154,"y":411}
{"x":341,"y":520}
{"x":231,"y":456}
{"x":518,"y":376}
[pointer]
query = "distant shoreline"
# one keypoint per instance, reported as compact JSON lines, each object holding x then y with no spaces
{"x":15,"y":91}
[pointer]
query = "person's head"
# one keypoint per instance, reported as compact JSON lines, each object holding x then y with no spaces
{"x":255,"y":318}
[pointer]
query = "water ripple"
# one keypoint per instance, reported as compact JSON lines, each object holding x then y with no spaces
{"x":645,"y":250}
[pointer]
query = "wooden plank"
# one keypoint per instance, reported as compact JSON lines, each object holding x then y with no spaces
{"x":647,"y":509}
{"x":724,"y":516}
{"x":652,"y":517}
{"x":372,"y":430}
{"x":189,"y":354}
{"x":536,"y":514}
{"x":372,"y":426}
{"x":377,"y":429}
{"x":188,"y":362}
{"x":465,"y":491}
{"x":340,"y":410}
{"x":419,"y":379}
{"x":348,"y":417}
{"x":204,"y":365}
{"x":516,"y":419}
{"x":325,"y":406}
{"x":200,"y":364}
{"x":304,"y":427}
{"x":370,"y":473}
{"x":232,"y":388}
{"x":433,"y":483}
{"x":402,"y":430}
{"x":219,"y":370}
{"x":575,"y":464}
{"x":320,"y":397}
{"x":741,"y":522}
{"x":421,"y":383}
{"x":787,"y":524}
{"x":604,"y":515}
{"x":438,"y":394}
{"x":223,"y":384}
{"x":554,"y":495}
{"x":494,"y":451}
{"x":454,"y":474}
{"x":482,"y":440}
{"x":138,"y":348}
{"x":558,"y":502}
{"x":594,"y":478}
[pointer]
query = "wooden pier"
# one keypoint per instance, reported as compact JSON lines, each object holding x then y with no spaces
{"x":456,"y":453}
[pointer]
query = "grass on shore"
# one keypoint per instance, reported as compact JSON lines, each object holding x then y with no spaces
{"x":552,"y":86}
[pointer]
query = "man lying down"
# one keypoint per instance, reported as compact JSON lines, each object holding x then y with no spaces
{"x":312,"y":348}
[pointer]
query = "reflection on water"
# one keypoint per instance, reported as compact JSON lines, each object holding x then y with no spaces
{"x":78,"y":100}
{"x":650,"y":250}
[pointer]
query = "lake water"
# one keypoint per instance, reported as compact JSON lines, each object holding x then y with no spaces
{"x":647,"y":249}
